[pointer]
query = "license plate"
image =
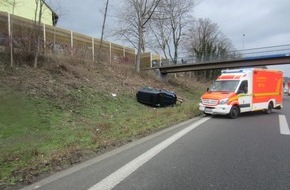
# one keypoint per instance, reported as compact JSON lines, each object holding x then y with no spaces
{"x":207,"y":110}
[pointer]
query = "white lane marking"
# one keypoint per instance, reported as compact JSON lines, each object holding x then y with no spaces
{"x":284,"y":128}
{"x":115,"y":178}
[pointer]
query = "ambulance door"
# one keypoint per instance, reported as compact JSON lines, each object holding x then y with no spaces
{"x":245,"y":99}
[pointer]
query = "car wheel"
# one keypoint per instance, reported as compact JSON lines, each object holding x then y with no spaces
{"x":235,"y":112}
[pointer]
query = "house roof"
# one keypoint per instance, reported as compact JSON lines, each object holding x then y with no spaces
{"x":54,"y":15}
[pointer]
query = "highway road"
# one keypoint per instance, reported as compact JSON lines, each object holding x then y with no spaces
{"x":215,"y":153}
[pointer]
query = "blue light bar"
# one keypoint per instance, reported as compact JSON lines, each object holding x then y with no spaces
{"x":237,"y":70}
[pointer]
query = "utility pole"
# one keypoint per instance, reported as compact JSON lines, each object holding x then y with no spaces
{"x":103,"y":30}
{"x":243,"y":43}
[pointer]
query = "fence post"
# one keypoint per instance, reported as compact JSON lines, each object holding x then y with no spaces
{"x":71,"y":42}
{"x":110,"y":52}
{"x":150,"y":60}
{"x":44,"y":39}
{"x":53,"y":38}
{"x":10,"y":39}
{"x":9,"y":26}
{"x":93,"y":48}
{"x":124,"y":51}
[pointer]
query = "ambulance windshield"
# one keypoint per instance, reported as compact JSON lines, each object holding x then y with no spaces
{"x":224,"y":86}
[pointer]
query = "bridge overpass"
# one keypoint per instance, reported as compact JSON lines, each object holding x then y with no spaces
{"x":256,"y":57}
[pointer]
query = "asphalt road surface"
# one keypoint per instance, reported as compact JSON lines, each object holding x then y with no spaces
{"x":215,"y":153}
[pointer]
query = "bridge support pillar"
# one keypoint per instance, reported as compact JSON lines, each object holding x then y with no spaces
{"x":160,"y":75}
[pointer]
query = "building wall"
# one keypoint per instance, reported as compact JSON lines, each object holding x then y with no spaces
{"x":26,"y":9}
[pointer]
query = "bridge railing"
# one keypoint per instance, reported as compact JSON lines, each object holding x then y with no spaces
{"x":254,"y":53}
{"x":281,"y":50}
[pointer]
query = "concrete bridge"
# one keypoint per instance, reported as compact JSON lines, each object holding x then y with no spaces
{"x":256,"y":57}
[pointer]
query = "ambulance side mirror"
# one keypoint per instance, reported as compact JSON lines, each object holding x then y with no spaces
{"x":207,"y":89}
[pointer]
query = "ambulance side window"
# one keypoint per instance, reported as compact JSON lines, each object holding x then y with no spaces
{"x":243,"y":87}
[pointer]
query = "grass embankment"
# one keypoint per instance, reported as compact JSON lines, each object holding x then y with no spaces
{"x":63,"y":113}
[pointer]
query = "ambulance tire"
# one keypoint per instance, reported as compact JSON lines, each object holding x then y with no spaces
{"x":235,"y":112}
{"x":270,"y":108}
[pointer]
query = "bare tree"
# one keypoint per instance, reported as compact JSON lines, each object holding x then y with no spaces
{"x":206,"y":42}
{"x":160,"y":33}
{"x":132,"y":23}
{"x":37,"y":28}
{"x":169,"y":23}
{"x":40,"y":10}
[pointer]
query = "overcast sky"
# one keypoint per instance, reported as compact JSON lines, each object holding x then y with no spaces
{"x":247,"y":23}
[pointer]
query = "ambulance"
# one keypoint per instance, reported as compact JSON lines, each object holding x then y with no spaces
{"x":243,"y":90}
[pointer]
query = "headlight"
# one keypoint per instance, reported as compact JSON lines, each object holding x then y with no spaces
{"x":224,"y":101}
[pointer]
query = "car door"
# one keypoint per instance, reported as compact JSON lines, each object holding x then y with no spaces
{"x":245,"y":99}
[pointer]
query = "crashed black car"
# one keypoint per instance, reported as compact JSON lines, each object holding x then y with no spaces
{"x":155,"y":97}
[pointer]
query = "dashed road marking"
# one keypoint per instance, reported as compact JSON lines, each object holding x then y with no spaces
{"x":284,"y":128}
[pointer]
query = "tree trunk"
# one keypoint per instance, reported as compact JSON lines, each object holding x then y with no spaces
{"x":138,"y":57}
{"x":37,"y":31}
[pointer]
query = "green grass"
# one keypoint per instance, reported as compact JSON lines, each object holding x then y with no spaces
{"x":26,"y":127}
{"x":38,"y":134}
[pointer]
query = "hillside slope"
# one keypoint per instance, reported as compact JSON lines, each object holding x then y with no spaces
{"x":67,"y":111}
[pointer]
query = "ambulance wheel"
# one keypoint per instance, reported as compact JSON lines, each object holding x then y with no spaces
{"x":270,"y":108}
{"x":235,"y":112}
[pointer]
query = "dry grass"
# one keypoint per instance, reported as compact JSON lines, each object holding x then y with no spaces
{"x":73,"y":114}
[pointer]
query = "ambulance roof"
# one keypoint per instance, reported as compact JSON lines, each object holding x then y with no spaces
{"x":235,"y":74}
